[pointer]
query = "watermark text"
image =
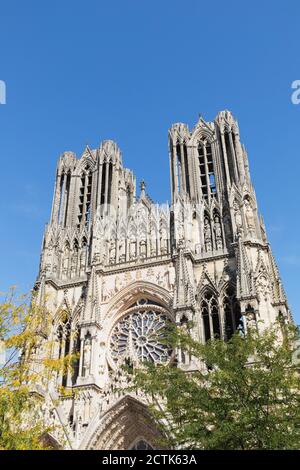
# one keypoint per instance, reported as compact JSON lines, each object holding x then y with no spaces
{"x":2,"y":92}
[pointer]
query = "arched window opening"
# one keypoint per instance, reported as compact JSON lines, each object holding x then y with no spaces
{"x":202,"y":170}
{"x":75,"y":245}
{"x":210,"y":316}
{"x":207,"y":172}
{"x":76,"y":352}
{"x":67,"y":334}
{"x":61,"y":192}
{"x":215,"y":319}
{"x":178,"y":167}
{"x":205,"y":319}
{"x":230,"y":156}
{"x":110,"y":170}
{"x":234,"y":152}
{"x":186,"y":170}
{"x":141,"y":445}
{"x":232,"y":313}
{"x":88,"y":199}
{"x":64,"y":341}
{"x":65,"y":180}
{"x":210,"y":166}
{"x":184,"y":355}
{"x":106,"y":183}
{"x":85,"y":193}
{"x":102,"y":198}
{"x":67,"y":195}
{"x":81,"y":199}
{"x":60,"y":340}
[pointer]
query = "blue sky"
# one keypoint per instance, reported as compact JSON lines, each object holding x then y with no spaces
{"x":81,"y":72}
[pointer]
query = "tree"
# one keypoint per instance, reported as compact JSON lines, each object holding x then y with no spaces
{"x":245,"y":395}
{"x":26,"y":370}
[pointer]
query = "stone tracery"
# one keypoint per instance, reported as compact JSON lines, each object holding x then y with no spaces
{"x":139,"y":333}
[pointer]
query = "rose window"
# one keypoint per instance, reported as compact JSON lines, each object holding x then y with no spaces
{"x":140,"y":334}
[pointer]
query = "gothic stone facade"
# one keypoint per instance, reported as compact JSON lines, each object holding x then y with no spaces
{"x":114,"y":266}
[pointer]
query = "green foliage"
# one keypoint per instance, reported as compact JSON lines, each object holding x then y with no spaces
{"x":24,"y":334}
{"x":244,"y":395}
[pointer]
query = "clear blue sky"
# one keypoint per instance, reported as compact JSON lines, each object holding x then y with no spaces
{"x":80,"y":72}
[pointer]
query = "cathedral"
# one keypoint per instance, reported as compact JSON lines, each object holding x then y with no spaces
{"x":115,"y":266}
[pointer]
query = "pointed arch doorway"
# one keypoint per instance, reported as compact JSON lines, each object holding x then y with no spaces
{"x":126,"y":426}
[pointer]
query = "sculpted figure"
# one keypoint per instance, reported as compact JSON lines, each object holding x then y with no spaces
{"x":218,"y":233}
{"x":122,"y":256}
{"x":249,"y":216}
{"x":87,"y":349}
{"x":132,"y":249}
{"x":112,"y":252}
{"x":143,"y":248}
{"x":251,"y":320}
{"x":238,"y":217}
{"x":104,"y":291}
{"x":207,"y":235}
{"x":83,"y":257}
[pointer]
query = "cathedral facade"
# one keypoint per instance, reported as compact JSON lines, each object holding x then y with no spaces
{"x":116,"y":266}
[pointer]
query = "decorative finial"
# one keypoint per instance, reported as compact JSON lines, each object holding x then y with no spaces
{"x":142,"y":187}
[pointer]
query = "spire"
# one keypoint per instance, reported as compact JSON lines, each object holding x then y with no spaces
{"x":279,"y":293}
{"x":245,"y":287}
{"x":142,"y":188}
{"x":184,"y":295}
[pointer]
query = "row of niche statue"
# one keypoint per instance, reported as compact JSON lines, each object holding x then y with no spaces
{"x":215,"y":241}
{"x":249,"y":216}
{"x":213,"y":237}
{"x":72,"y":262}
{"x":141,"y":248}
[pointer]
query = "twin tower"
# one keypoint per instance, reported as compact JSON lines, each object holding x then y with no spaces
{"x":115,"y":266}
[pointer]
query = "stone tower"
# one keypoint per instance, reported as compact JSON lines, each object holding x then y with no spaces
{"x":114,"y":266}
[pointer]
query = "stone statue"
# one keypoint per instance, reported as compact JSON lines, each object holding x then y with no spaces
{"x":132,"y":254}
{"x":238,"y":217}
{"x":207,"y":235}
{"x":102,"y":358}
{"x":249,"y":216}
{"x":122,"y":256}
{"x":143,"y":246}
{"x":87,"y":349}
{"x":153,"y":246}
{"x":96,"y":258}
{"x":263,"y":287}
{"x":118,"y":283}
{"x":163,"y":243}
{"x":73,"y":264}
{"x":104,"y":291}
{"x":218,"y":233}
{"x":112,"y":252}
{"x":83,"y":257}
{"x":251,"y":320}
